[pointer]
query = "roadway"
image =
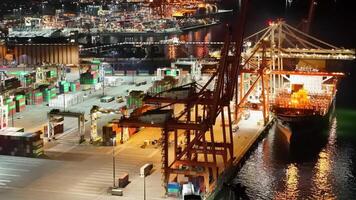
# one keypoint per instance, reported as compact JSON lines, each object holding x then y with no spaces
{"x":74,"y":171}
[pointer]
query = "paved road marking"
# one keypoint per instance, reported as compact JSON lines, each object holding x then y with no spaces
{"x":15,"y":175}
{"x":22,"y":170}
{"x":5,"y":187}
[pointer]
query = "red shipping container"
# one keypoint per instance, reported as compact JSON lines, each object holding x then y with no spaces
{"x":12,"y":112}
{"x":77,"y":86}
{"x":20,"y":108}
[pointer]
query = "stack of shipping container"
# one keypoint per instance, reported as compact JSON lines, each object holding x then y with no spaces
{"x":11,"y":105}
{"x":49,"y":94}
{"x":51,"y":74}
{"x":64,"y":87}
{"x":89,"y":78}
{"x":34,"y":97}
{"x":108,"y":133}
{"x":162,"y":85}
{"x":18,"y":143}
{"x":74,"y":86}
{"x":24,"y":77}
{"x":29,"y":98}
{"x":173,"y":189}
{"x":29,"y":79}
{"x":59,"y":125}
{"x":112,"y":128}
{"x":38,"y":98}
{"x":10,"y":83}
{"x":3,"y":114}
{"x":135,"y":99}
{"x":20,"y":103}
{"x":66,"y":100}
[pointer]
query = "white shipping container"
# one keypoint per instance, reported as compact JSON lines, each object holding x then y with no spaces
{"x":97,"y":86}
{"x":312,"y":84}
{"x":66,"y":100}
{"x":113,"y":81}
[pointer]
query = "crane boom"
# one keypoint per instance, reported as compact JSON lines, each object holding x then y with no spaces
{"x":226,"y":83}
{"x":307,"y":21}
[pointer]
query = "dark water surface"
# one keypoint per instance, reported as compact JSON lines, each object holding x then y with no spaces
{"x":325,"y":169}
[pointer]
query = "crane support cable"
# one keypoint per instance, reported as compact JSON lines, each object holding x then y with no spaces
{"x":311,"y":37}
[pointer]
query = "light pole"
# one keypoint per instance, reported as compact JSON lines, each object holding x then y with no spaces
{"x":12,"y":112}
{"x":64,"y":100}
{"x":144,"y":187}
{"x":102,"y":72}
{"x":145,"y":171}
{"x":113,"y":162}
{"x":103,"y":86}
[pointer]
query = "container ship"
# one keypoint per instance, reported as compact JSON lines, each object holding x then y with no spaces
{"x":307,"y":102}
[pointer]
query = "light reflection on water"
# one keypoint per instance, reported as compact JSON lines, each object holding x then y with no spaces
{"x":323,"y":177}
{"x":290,"y":190}
{"x":325,"y":171}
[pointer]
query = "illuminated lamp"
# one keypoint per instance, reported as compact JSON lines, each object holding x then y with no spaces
{"x":270,"y":23}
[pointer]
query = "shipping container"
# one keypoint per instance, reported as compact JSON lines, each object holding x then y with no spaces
{"x":135,"y":99}
{"x":64,"y":87}
{"x":66,"y":100}
{"x":20,"y":143}
{"x":108,"y":134}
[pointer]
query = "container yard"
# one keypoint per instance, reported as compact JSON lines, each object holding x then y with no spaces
{"x":82,"y":119}
{"x":142,"y":18}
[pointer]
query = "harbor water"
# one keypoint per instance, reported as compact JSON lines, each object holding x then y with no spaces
{"x":324,"y":168}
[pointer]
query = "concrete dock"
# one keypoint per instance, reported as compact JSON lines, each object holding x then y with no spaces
{"x":74,"y":171}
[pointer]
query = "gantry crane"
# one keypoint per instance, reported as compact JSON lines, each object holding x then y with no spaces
{"x":200,"y":110}
{"x":95,"y":113}
{"x":276,"y":52}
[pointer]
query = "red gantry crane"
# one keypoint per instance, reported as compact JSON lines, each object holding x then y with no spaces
{"x":202,"y":113}
{"x":200,"y":109}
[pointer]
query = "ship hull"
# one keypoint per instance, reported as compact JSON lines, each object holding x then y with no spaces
{"x":299,"y":124}
{"x":303,"y":136}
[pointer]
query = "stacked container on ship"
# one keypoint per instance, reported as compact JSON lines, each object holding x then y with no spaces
{"x":306,"y":103}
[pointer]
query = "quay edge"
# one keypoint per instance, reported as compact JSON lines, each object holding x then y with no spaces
{"x":239,"y":161}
